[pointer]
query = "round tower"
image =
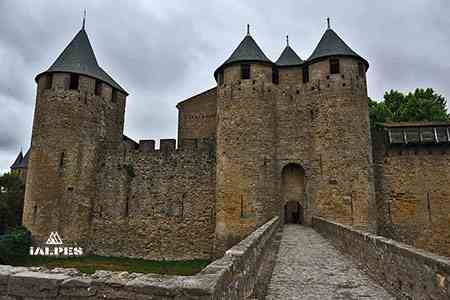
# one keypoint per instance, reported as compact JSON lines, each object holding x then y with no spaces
{"x":245,"y":139}
{"x":340,"y":132}
{"x":289,"y":66}
{"x":79,"y":111}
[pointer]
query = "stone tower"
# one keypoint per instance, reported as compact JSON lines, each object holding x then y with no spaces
{"x":340,"y":135}
{"x":79,"y":112}
{"x":246,"y":133}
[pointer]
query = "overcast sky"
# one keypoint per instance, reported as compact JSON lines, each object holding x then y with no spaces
{"x":164,"y":51}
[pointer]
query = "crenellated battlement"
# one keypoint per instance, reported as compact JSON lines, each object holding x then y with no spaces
{"x":169,"y":146}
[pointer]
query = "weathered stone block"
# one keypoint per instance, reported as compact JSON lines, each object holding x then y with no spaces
{"x":35,"y":284}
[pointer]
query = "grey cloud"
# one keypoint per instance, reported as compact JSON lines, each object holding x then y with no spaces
{"x":163,"y":52}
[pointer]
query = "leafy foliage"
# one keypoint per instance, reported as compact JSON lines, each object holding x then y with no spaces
{"x":12,"y":191}
{"x":421,"y":105}
{"x":14,"y":245}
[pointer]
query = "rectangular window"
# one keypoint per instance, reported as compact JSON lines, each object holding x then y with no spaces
{"x":305,"y":74}
{"x":114,"y":95}
{"x":98,"y":87}
{"x":245,"y":71}
{"x":74,"y":80}
{"x":361,"y":69}
{"x":275,"y":76}
{"x":334,"y":66}
{"x":220,"y":78}
{"x":49,"y":82}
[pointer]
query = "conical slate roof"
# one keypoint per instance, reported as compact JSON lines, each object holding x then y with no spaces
{"x":288,"y":58}
{"x":78,"y":57}
{"x":24,"y":162}
{"x":17,"y":162}
{"x":331,"y":44}
{"x":247,"y":51}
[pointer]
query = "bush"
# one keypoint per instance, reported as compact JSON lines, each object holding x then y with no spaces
{"x":14,"y":245}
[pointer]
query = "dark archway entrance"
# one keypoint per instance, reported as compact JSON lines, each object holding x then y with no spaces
{"x":293,"y":193}
{"x":293,"y":213}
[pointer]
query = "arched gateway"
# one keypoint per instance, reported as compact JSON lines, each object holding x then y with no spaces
{"x":293,"y":193}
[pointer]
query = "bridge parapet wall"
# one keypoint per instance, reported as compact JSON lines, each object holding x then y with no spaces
{"x":405,"y":271}
{"x":232,"y":277}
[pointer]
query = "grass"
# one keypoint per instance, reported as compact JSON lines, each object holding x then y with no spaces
{"x":90,"y":264}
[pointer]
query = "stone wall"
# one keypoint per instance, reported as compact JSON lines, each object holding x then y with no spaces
{"x":197,"y":116}
{"x":231,"y":277}
{"x":403,"y":270}
{"x":156,"y":204}
{"x":413,"y":197}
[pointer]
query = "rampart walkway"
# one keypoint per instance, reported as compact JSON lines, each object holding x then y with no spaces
{"x":309,"y":267}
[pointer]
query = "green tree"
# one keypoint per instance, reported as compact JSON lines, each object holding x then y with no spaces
{"x":378,"y":112}
{"x":421,"y":105}
{"x":12,"y":191}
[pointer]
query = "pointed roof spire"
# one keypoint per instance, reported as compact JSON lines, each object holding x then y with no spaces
{"x":84,"y":19}
{"x":79,"y":57}
{"x":328,"y":23}
{"x":332,"y":45}
{"x":18,"y":160}
{"x":288,"y":57}
{"x":247,"y":51}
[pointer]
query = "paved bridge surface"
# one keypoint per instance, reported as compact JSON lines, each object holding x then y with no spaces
{"x":309,"y":267}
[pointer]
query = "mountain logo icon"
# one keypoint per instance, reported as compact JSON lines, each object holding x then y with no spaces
{"x":54,"y":239}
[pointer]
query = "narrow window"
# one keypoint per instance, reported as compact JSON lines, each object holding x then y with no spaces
{"x":74,"y":80}
{"x":220,"y":78}
{"x":275,"y":76}
{"x":49,"y":82}
{"x":245,"y":71}
{"x":305,"y":74}
{"x":114,"y":95}
{"x":334,"y":66}
{"x":61,"y":161}
{"x":361,"y":69}
{"x":98,"y":87}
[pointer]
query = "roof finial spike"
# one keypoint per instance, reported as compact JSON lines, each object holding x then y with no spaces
{"x":328,"y":23}
{"x":287,"y":40}
{"x":84,"y":19}
{"x":248,"y":29}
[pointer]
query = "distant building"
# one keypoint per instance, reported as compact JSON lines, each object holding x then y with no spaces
{"x":20,"y":165}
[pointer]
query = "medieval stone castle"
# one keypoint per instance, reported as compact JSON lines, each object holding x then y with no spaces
{"x":289,"y":138}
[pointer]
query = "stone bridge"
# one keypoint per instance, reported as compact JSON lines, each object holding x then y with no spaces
{"x":325,"y":261}
{"x":309,"y":267}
